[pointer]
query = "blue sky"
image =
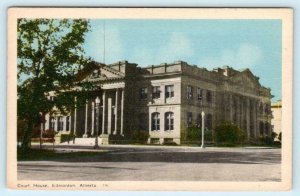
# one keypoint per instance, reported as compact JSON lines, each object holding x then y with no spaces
{"x":254,"y":44}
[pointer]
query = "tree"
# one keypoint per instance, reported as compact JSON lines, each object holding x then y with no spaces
{"x":50,"y":56}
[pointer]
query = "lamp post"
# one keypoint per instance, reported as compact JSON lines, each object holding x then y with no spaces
{"x":203,"y":115}
{"x":97,"y":122}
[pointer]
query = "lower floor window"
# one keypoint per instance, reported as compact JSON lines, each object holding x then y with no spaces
{"x":189,"y":119}
{"x":169,"y":121}
{"x":52,"y":123}
{"x":155,"y":125}
{"x":68,"y":123}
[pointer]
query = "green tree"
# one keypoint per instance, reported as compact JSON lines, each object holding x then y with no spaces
{"x":50,"y":58}
{"x":229,"y":133}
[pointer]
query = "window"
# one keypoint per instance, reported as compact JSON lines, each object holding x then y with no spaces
{"x":68,"y":123}
{"x":143,"y":121}
{"x":51,"y":98}
{"x":261,"y":108}
{"x":155,"y":122}
{"x":266,"y":109}
{"x":189,"y":119}
{"x":169,"y":121}
{"x":208,"y":96}
{"x":169,"y":91}
{"x":208,"y":123}
{"x":60,"y":124}
{"x":199,"y":120}
{"x":189,"y":92}
{"x":52,"y":123}
{"x":156,"y":92}
{"x":199,"y":94}
{"x":143,"y":93}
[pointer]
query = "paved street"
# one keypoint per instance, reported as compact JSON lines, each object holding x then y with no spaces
{"x":158,"y":163}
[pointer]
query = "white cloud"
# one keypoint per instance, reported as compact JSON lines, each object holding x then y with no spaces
{"x":245,"y":56}
{"x":178,"y":47}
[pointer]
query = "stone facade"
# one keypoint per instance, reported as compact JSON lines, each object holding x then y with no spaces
{"x":277,"y":114}
{"x":165,"y":99}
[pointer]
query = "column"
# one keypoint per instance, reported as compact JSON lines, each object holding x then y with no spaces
{"x":256,"y":120}
{"x":254,"y":106}
{"x":93,"y":118}
{"x":163,"y":93}
{"x":47,"y":121}
{"x":70,"y":120}
{"x":109,"y":115}
{"x":103,"y":113}
{"x":238,"y":114}
{"x":86,"y":118}
{"x":116,"y":112}
{"x":231,"y":107}
{"x":122,"y":112}
{"x":56,"y":124}
{"x":65,"y":123}
{"x":248,"y":118}
{"x":75,"y":118}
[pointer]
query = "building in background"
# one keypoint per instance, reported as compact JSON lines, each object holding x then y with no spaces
{"x":166,"y":99}
{"x":276,"y":113}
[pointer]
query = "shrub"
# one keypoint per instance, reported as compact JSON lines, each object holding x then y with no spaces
{"x":279,"y":136}
{"x":229,"y":134}
{"x":193,"y":133}
{"x":139,"y":136}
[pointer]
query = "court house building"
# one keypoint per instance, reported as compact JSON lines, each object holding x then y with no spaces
{"x":165,"y":99}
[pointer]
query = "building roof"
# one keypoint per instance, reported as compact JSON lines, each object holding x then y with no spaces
{"x":276,"y":104}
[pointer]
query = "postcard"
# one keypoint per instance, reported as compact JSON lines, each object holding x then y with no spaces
{"x":189,"y":99}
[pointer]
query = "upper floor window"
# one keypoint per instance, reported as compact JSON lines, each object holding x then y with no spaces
{"x":169,"y":91}
{"x":169,"y":121}
{"x":199,"y":94}
{"x":261,"y":108}
{"x":267,"y":108}
{"x":143,"y":93}
{"x":51,"y":98}
{"x":189,"y":92}
{"x":208,"y":96}
{"x":155,"y":121}
{"x":156,"y":92}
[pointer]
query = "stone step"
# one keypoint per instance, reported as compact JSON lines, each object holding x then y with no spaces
{"x":81,"y":141}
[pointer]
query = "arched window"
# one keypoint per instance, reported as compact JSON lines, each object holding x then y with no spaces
{"x":208,"y":123}
{"x":155,"y":121}
{"x":169,"y":121}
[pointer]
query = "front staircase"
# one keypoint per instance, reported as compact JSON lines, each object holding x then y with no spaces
{"x":81,"y":142}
